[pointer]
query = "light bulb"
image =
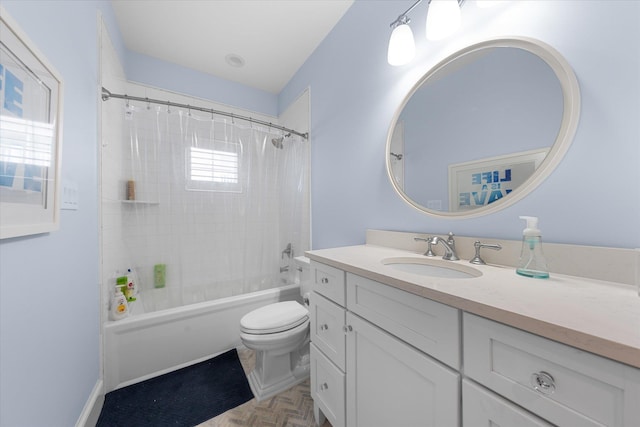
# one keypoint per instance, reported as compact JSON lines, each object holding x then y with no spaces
{"x":443,"y":18}
{"x":487,"y":3}
{"x":402,"y":47}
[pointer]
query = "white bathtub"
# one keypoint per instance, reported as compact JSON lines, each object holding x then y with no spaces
{"x":146,"y":345}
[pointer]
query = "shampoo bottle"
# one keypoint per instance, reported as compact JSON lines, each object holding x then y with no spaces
{"x":532,"y":262}
{"x":119,"y":306}
{"x":132,"y":286}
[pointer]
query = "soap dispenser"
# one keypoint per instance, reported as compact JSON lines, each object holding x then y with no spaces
{"x":532,"y":262}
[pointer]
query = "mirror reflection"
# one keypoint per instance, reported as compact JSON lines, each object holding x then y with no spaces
{"x":475,"y":130}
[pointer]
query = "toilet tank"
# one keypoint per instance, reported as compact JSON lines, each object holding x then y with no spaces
{"x":303,"y":274}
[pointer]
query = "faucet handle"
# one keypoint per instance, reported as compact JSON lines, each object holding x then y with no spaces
{"x":429,"y":251}
{"x":450,"y":240}
{"x":479,"y":245}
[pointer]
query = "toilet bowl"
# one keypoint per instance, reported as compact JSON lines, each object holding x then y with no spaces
{"x":279,"y":335}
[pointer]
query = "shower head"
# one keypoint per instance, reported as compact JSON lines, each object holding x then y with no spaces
{"x":277,"y":142}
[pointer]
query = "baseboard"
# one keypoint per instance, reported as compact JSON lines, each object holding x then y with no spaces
{"x":91,"y":411}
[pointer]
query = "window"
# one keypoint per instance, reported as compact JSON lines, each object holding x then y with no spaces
{"x":25,"y":158}
{"x":216,"y":169}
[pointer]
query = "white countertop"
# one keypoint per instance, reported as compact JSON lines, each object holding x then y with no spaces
{"x":596,"y":316}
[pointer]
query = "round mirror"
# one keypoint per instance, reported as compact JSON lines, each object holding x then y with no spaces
{"x":483,"y":128}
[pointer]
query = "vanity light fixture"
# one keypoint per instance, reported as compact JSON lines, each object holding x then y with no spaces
{"x":402,"y":47}
{"x":443,"y":19}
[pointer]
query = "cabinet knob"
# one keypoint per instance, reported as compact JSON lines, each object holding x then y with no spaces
{"x":347,"y":328}
{"x":324,"y":280}
{"x":324,"y":327}
{"x":324,"y":386}
{"x":543,"y":382}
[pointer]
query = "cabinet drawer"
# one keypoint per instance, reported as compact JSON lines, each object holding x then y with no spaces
{"x":327,"y":328}
{"x":480,"y":407}
{"x":561,"y":384}
{"x":328,"y":281}
{"x":327,"y":387}
{"x":429,"y":326}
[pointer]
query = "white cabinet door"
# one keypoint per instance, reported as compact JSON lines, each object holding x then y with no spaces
{"x":389,"y":383}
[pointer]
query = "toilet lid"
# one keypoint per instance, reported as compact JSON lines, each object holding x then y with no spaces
{"x":273,"y":318}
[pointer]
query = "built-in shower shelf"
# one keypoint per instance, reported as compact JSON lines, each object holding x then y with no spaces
{"x":139,"y":202}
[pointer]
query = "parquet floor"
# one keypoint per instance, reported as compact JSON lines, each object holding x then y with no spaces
{"x":291,"y":408}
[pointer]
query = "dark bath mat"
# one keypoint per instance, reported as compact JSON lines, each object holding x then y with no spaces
{"x":186,"y":397}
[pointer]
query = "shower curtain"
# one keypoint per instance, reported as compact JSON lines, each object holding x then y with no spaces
{"x":215,"y":204}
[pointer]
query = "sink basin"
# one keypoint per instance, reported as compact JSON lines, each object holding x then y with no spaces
{"x":432,"y":268}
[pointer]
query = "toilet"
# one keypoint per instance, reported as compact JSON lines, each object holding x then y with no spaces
{"x":279,"y":335}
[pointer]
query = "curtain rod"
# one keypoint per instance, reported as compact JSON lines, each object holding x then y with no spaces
{"x":106,"y":95}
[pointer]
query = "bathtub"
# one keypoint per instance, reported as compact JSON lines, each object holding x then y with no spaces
{"x":142,"y":346}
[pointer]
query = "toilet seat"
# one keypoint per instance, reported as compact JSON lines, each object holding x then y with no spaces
{"x":274,"y":318}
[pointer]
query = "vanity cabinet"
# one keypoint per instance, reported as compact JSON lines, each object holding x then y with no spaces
{"x":394,"y":348}
{"x":371,"y":364}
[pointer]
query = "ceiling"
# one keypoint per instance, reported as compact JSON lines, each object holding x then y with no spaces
{"x":273,"y":37}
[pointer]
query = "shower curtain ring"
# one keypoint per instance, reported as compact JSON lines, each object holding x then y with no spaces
{"x":148,"y":104}
{"x":189,"y":110}
{"x":168,"y":109}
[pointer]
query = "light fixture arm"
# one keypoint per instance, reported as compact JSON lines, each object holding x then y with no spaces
{"x":404,"y":19}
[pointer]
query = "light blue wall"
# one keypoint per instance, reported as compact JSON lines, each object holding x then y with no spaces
{"x":592,"y":198}
{"x":49,"y":296}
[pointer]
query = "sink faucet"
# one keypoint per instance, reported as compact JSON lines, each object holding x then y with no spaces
{"x":449,"y":247}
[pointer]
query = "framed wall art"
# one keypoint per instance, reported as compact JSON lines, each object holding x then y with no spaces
{"x":481,"y":182}
{"x":30,"y":136}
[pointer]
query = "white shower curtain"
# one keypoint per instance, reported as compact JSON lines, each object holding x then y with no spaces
{"x":216,"y":203}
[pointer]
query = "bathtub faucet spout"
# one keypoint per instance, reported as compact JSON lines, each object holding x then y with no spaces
{"x":288,"y":251}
